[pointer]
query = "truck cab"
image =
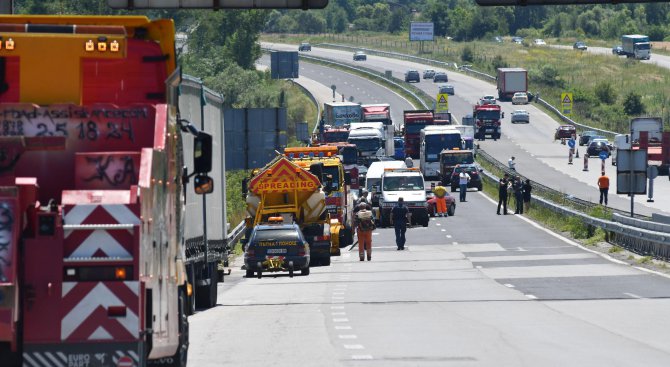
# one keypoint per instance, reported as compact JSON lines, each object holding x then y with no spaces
{"x":488,"y":120}
{"x":450,"y":159}
{"x":406,"y":183}
{"x":434,"y":139}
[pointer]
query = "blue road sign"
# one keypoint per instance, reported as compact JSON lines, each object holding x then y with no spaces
{"x":603,"y":155}
{"x":571,"y":143}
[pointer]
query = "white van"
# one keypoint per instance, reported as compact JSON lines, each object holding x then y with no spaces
{"x":373,"y":179}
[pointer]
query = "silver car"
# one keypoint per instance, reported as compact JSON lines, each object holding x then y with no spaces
{"x":446,"y":89}
{"x":520,"y":116}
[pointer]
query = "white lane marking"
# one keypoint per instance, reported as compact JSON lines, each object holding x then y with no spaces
{"x":578,"y":245}
{"x":343,"y":327}
{"x":338,"y":313}
{"x":448,"y":236}
{"x":478,"y":266}
{"x":454,"y":243}
{"x":361,"y":357}
{"x":509,"y":285}
{"x":443,"y":230}
{"x":530,"y":296}
{"x":347,"y":336}
{"x":337,"y":307}
{"x":632,"y":295}
{"x":438,"y":224}
{"x":521,"y":249}
{"x":353,"y":346}
{"x":341,"y":319}
{"x":375,"y":233}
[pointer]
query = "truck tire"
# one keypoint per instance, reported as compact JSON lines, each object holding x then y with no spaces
{"x":325,"y":261}
{"x":304,"y":271}
{"x":206,"y":295}
{"x":249,"y":273}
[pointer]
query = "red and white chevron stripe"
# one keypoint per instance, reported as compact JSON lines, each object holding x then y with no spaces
{"x":85,"y":305}
{"x":100,"y":243}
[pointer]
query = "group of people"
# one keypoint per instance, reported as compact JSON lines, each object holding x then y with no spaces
{"x":508,"y":186}
{"x":365,"y":224}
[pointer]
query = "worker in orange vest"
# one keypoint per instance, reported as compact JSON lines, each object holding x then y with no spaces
{"x":604,"y":186}
{"x":364,"y":225}
{"x":440,"y":201}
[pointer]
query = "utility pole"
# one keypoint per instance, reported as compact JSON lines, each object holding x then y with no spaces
{"x":7,"y":7}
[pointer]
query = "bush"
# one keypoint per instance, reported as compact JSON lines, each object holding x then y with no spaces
{"x":467,"y":54}
{"x":498,"y":62}
{"x":632,"y":104}
{"x":605,"y":92}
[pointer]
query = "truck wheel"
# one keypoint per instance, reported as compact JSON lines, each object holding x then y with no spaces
{"x":325,"y":261}
{"x":260,"y":274}
{"x":304,"y":271}
{"x":425,"y":222}
{"x":452,"y":210}
{"x":250,"y":273}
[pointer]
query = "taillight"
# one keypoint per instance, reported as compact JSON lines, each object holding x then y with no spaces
{"x":301,"y":251}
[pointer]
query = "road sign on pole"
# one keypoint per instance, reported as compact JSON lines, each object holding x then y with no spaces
{"x":442,"y":105}
{"x":566,"y":103}
{"x":631,"y":177}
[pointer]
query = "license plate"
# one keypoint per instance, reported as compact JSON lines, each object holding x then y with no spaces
{"x":276,"y":251}
{"x":489,"y":130}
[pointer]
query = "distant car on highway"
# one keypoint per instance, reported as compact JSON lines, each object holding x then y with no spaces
{"x":498,"y":39}
{"x":487,"y":99}
{"x":586,"y":136}
{"x":520,"y":116}
{"x":517,"y":40}
{"x":520,"y":98}
{"x":305,"y":46}
{"x":602,"y":140}
{"x":539,"y":42}
{"x":579,"y":45}
{"x":471,"y":169}
{"x":595,"y":147}
{"x":428,"y":74}
{"x":440,"y":77}
{"x":565,"y":132}
{"x":276,"y":247}
{"x":412,"y":75}
{"x":618,"y":50}
{"x":360,"y":56}
{"x":446,"y":89}
{"x":431,"y":202}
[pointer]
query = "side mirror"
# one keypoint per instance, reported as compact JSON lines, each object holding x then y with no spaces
{"x":203,"y":184}
{"x":202,"y":153}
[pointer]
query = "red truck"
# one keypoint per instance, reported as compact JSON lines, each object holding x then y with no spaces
{"x":415,"y":121}
{"x":488,"y":120}
{"x":377,"y":113}
{"x":95,"y":264}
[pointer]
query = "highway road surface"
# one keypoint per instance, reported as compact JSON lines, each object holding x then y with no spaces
{"x":475,"y":289}
{"x":538,"y":156}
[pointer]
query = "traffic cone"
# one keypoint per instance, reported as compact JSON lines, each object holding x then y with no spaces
{"x":586,"y":162}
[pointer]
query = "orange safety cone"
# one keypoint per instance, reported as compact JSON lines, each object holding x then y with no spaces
{"x":586,"y":162}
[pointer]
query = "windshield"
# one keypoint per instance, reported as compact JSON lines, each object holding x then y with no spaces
{"x":452,"y":159}
{"x":372,"y":182}
{"x":403,"y":183}
{"x":437,"y":143}
{"x":366,"y":144}
{"x":276,"y":235}
{"x":488,"y":115}
{"x":414,"y":128}
{"x":642,"y":46}
{"x":335,"y":172}
{"x":349,"y":155}
{"x":335,"y":136}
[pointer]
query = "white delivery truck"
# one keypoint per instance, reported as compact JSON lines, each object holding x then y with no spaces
{"x":373,"y":181}
{"x":371,"y":139}
{"x":435,"y":139}
{"x":510,"y":81}
{"x":636,"y":46}
{"x":406,"y":183}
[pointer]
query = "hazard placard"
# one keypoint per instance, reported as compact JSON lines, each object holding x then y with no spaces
{"x":566,"y":103}
{"x":442,"y":104}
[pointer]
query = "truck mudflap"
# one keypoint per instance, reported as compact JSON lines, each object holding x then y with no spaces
{"x":319,"y":253}
{"x":84,"y":355}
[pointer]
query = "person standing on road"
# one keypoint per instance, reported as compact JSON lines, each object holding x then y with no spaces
{"x":399,"y":221}
{"x":571,"y":145}
{"x":463,"y":179}
{"x":440,"y":201}
{"x":511,"y":164}
{"x":604,"y":186}
{"x":518,"y":195}
{"x":365,"y":225}
{"x":527,"y":188}
{"x":502,"y":194}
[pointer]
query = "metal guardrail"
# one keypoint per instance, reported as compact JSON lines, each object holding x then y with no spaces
{"x":235,"y":234}
{"x":638,"y":240}
{"x":316,"y":103}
